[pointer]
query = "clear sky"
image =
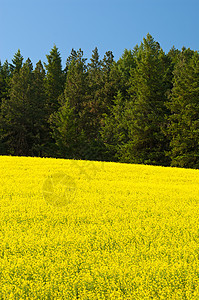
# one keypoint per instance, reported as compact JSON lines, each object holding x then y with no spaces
{"x":34,"y":26}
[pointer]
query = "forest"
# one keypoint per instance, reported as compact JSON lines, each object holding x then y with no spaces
{"x":142,"y":108}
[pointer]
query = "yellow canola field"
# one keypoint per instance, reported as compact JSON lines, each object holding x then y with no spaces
{"x":93,"y":230}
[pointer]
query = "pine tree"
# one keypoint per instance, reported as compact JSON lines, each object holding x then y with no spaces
{"x":183,"y":127}
{"x":39,"y":112}
{"x":54,"y":81}
{"x":109,"y":89}
{"x":4,"y":91}
{"x":4,"y":80}
{"x":146,"y":110}
{"x":114,"y":128}
{"x":124,"y":66}
{"x":1,"y":83}
{"x":95,"y":85}
{"x":76,"y":84}
{"x":69,"y":124}
{"x":23,"y":113}
{"x":105,"y":82}
{"x":54,"y":87}
{"x":17,"y":62}
{"x":63,"y":125}
{"x":114,"y":131}
{"x":72,"y":57}
{"x":15,"y":112}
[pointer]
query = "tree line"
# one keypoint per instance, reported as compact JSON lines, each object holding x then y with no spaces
{"x":143,"y":108}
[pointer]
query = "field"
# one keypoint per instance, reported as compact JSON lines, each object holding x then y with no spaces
{"x":92,"y":230}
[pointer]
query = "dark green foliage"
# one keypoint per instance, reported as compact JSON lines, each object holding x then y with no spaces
{"x":23,"y":113}
{"x":114,"y":131}
{"x":4,"y":80}
{"x":76,"y":124}
{"x":104,"y":79}
{"x":40,"y":112}
{"x":94,"y":107}
{"x":54,"y":87}
{"x":15,"y":112}
{"x":54,"y":80}
{"x":145,"y":112}
{"x":69,"y":122}
{"x":144,"y":108}
{"x":4,"y":94}
{"x":17,"y":63}
{"x":64,"y":129}
{"x":183,"y":126}
{"x":109,"y":82}
{"x":124,"y":66}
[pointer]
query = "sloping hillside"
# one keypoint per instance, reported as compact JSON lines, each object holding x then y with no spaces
{"x":94,"y":230}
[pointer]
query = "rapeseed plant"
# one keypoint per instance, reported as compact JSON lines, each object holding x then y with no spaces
{"x":93,"y":230}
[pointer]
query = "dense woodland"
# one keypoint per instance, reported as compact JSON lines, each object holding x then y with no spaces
{"x":143,"y":108}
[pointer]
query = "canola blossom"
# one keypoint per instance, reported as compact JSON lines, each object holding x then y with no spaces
{"x":94,"y":230}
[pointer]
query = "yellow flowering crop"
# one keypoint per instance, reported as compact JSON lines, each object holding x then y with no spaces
{"x":92,"y":230}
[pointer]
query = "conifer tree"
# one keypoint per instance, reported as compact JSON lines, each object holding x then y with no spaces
{"x":114,"y":128}
{"x":22,"y":114}
{"x":141,"y":109}
{"x":114,"y":131}
{"x":17,"y":62}
{"x":109,"y":84}
{"x":69,"y":124}
{"x":1,"y":83}
{"x":124,"y":66}
{"x":40,"y":112}
{"x":72,"y":57}
{"x":4,"y":80}
{"x":54,"y":81}
{"x":183,"y":127}
{"x":54,"y":87}
{"x":146,"y":110}
{"x":4,"y":86}
{"x":76,"y":84}
{"x":63,"y":125}
{"x":95,"y":91}
{"x":15,"y":112}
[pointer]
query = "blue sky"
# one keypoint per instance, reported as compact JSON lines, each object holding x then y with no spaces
{"x":34,"y":26}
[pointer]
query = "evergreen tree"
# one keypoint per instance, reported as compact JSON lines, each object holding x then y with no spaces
{"x":69,"y":124}
{"x":1,"y":83}
{"x":109,"y":87}
{"x":15,"y":112}
{"x":124,"y":66}
{"x":64,"y":127}
{"x":4,"y":80}
{"x":4,"y":91}
{"x":114,"y":131}
{"x":105,"y":84}
{"x":54,"y":81}
{"x":94,"y":110}
{"x":98,"y":101}
{"x":146,"y":110}
{"x":17,"y":63}
{"x":54,"y":87}
{"x":76,"y":84}
{"x":39,"y":113}
{"x":114,"y":128}
{"x":72,"y":57}
{"x":183,"y":127}
{"x":22,"y":114}
{"x":171,"y":59}
{"x":141,"y":109}
{"x":174,"y":54}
